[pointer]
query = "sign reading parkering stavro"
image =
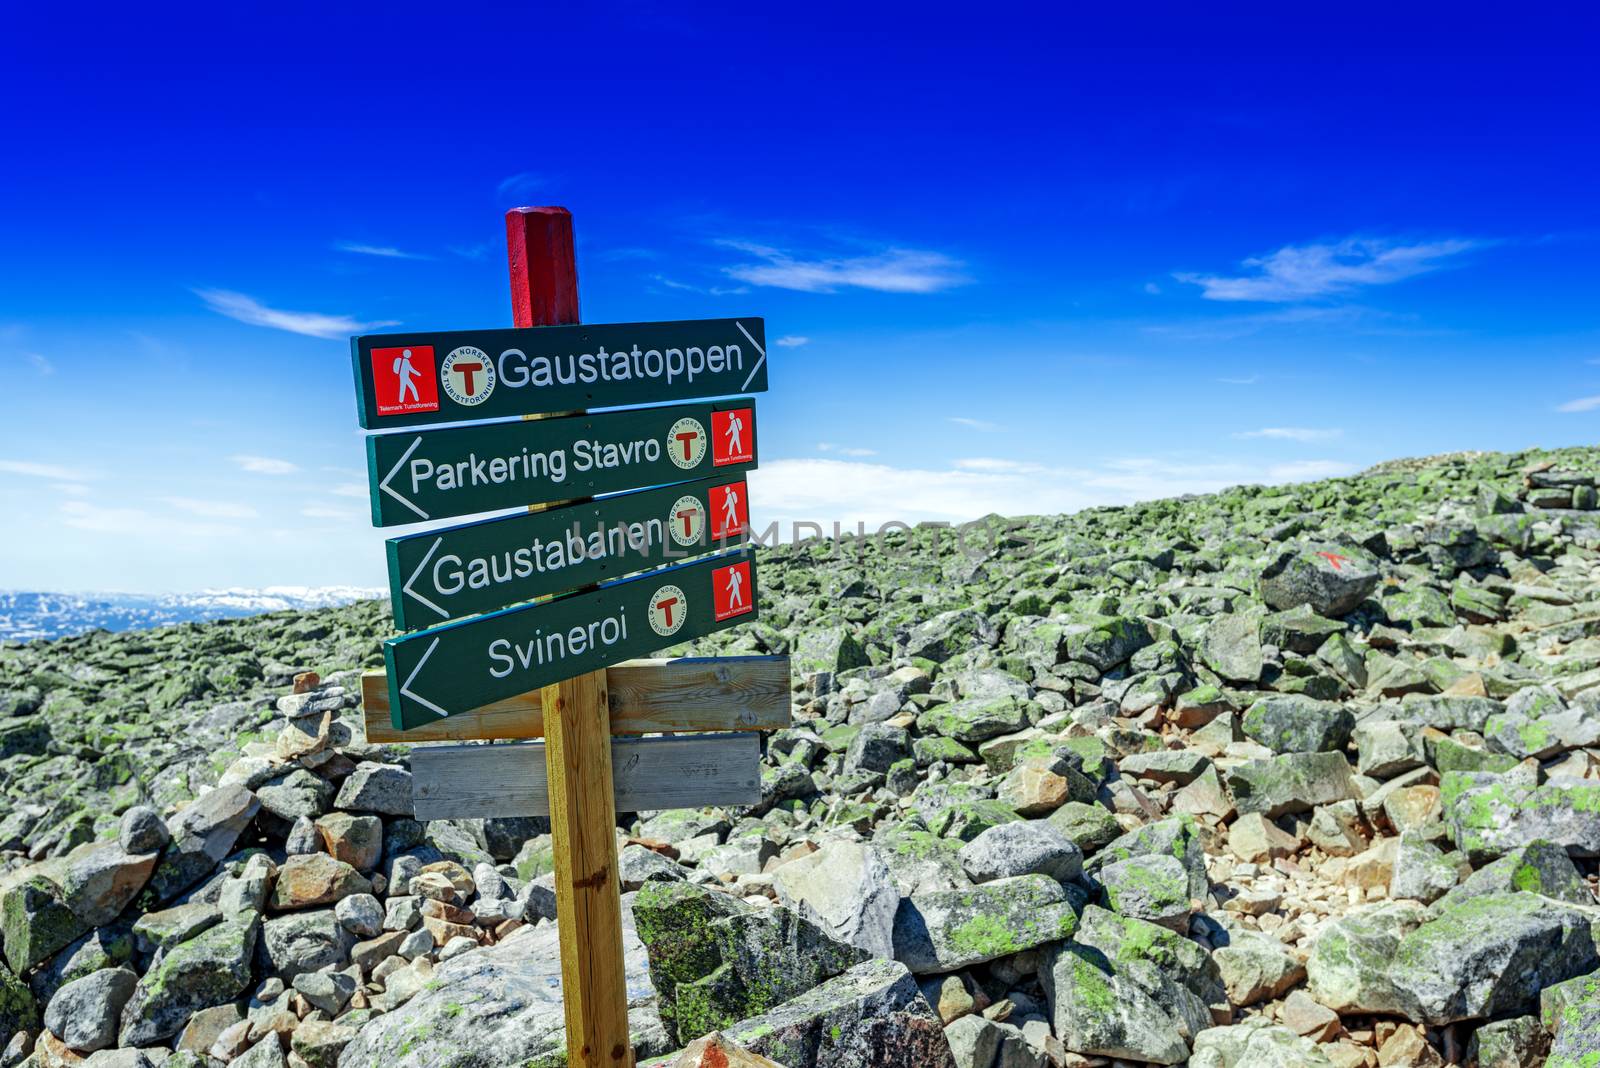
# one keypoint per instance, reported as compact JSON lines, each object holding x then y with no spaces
{"x":411,"y":379}
{"x":436,"y":474}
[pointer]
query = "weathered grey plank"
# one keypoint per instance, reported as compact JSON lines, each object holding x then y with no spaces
{"x":687,"y":771}
{"x":744,"y":693}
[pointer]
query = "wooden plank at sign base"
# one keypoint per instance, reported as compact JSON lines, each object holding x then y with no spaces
{"x":685,"y":771}
{"x":478,"y":567}
{"x":416,"y":378}
{"x":745,"y":693}
{"x":461,"y":666}
{"x":437,"y":474}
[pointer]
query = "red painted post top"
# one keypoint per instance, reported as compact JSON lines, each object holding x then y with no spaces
{"x":544,"y":268}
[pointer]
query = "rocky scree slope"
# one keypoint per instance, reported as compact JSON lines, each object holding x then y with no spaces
{"x":1277,"y":776}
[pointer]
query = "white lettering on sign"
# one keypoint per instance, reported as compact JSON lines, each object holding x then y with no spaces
{"x":451,"y":574}
{"x":505,"y":656}
{"x":518,"y":370}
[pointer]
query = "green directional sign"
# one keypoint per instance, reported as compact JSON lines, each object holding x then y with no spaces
{"x":461,"y":666}
{"x":436,"y":474}
{"x":446,"y":574}
{"x":411,"y":379}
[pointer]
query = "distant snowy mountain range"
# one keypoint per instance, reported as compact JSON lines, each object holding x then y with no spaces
{"x":26,"y":615}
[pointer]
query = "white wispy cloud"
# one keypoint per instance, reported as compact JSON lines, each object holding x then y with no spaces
{"x":211,"y":509}
{"x":55,"y":472}
{"x":975,"y":424}
{"x":1304,"y":272}
{"x":714,"y":291}
{"x":825,"y":490}
{"x":1581,"y":404}
{"x":1248,"y":380}
{"x":349,"y":489}
{"x":264,"y":465}
{"x":41,"y":363}
{"x":319,"y":511}
{"x":894,"y":270}
{"x":791,"y":341}
{"x":382,"y":251}
{"x":248,"y":309}
{"x":844,"y":450}
{"x":1292,"y":433}
{"x":520,"y":184}
{"x":139,"y":524}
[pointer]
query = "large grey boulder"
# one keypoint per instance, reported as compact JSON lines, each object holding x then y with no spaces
{"x":844,"y":888}
{"x":212,"y":968}
{"x":201,"y":836}
{"x":500,"y":1006}
{"x":304,"y":942}
{"x":1293,"y":782}
{"x":715,"y":959}
{"x":1231,"y":646}
{"x":1330,"y":578}
{"x":1021,"y":848}
{"x":872,"y":1016}
{"x":1097,"y":1011}
{"x":877,"y":747}
{"x":381,"y":788}
{"x":1293,"y":723}
{"x":85,"y":1013}
{"x":1490,"y":815}
{"x":1256,"y":1043}
{"x":945,"y":930}
{"x":1485,"y":956}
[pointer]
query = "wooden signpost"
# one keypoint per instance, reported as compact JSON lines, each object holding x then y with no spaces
{"x":497,"y":662}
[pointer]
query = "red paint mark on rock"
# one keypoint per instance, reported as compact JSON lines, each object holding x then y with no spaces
{"x":1334,"y":558}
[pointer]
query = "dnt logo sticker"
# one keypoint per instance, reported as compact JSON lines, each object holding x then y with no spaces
{"x":468,"y":376}
{"x":687,"y":520}
{"x":686,"y":442}
{"x":669,"y":607}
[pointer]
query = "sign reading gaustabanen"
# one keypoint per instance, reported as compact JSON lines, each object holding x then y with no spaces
{"x":461,"y":666}
{"x":460,"y":375}
{"x":436,"y":474}
{"x":446,"y":574}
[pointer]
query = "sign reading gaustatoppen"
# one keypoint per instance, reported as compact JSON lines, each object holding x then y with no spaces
{"x":446,"y":574}
{"x":459,"y":375}
{"x":461,"y":666}
{"x":436,"y":474}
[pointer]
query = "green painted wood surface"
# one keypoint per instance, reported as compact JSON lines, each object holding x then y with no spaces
{"x":437,"y":474}
{"x":546,"y":369}
{"x":461,"y":666}
{"x":441,"y":575}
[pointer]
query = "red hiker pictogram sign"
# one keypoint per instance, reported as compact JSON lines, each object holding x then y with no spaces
{"x":404,"y":382}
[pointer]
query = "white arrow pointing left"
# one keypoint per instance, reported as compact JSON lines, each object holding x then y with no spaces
{"x":390,"y":490}
{"x":405,"y":687}
{"x":417,"y":596}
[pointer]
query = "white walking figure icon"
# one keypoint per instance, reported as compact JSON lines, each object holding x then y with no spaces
{"x":407,"y":373}
{"x":735,"y":435}
{"x":735,"y":587}
{"x":730,"y":512}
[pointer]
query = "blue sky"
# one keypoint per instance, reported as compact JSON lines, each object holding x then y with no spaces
{"x":1024,"y":263}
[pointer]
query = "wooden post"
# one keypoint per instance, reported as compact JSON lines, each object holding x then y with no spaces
{"x":577,"y":727}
